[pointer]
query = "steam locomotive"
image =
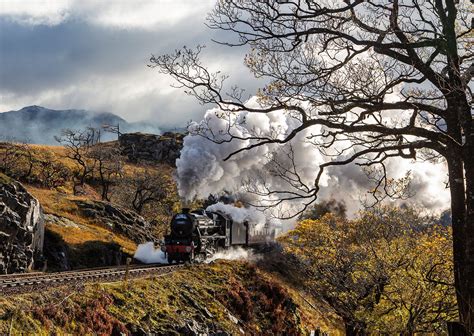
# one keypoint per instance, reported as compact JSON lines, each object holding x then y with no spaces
{"x":196,"y":235}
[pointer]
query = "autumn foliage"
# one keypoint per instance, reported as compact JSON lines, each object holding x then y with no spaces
{"x":387,"y":271}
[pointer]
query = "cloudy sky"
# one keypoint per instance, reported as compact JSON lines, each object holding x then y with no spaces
{"x":87,"y":54}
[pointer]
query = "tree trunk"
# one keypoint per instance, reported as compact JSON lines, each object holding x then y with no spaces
{"x":462,"y":206}
{"x":460,"y":159}
{"x":467,"y":272}
{"x":105,"y":191}
{"x":456,"y":329}
{"x":456,"y":185}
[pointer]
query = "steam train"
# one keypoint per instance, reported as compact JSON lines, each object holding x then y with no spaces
{"x":196,"y":235}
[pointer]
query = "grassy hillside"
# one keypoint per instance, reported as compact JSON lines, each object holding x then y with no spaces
{"x":47,"y":173}
{"x":234,"y":297}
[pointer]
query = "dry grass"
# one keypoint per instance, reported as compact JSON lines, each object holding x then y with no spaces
{"x":59,"y":201}
{"x":62,"y":205}
{"x":76,"y":236}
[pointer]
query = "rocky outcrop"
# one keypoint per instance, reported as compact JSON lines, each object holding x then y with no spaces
{"x":61,"y":256}
{"x":21,"y":228}
{"x":119,"y":220}
{"x":163,"y":148}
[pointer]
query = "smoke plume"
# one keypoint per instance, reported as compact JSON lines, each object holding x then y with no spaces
{"x":201,"y":169}
{"x":240,"y":215}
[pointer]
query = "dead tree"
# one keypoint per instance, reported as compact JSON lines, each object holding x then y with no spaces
{"x":114,"y":129}
{"x":389,"y":77}
{"x":51,"y":173}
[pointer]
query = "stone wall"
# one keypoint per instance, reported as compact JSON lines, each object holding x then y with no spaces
{"x":21,"y":228}
{"x":154,"y":148}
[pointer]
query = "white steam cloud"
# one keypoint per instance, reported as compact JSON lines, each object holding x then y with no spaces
{"x":240,"y":215}
{"x":147,"y":254}
{"x":234,"y":253}
{"x":201,"y":169}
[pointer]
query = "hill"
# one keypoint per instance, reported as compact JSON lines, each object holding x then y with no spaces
{"x":82,"y":225}
{"x":38,"y":125}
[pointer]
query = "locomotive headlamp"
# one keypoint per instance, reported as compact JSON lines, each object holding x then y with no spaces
{"x":188,"y":249}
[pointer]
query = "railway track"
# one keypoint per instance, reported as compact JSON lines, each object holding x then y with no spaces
{"x":25,"y":282}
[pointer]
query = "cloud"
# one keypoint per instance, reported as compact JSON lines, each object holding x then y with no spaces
{"x":93,"y":55}
{"x":144,"y":14}
{"x":36,"y":12}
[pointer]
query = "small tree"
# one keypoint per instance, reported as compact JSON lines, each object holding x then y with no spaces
{"x":78,"y":146}
{"x":147,"y":187}
{"x":49,"y":171}
{"x":108,"y":163}
{"x":17,"y":160}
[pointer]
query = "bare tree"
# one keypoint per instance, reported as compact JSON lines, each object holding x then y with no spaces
{"x":17,"y":159}
{"x":148,"y":187}
{"x":114,"y":129}
{"x":389,"y":77}
{"x":51,"y":173}
{"x":78,"y":145}
{"x":109,"y":165}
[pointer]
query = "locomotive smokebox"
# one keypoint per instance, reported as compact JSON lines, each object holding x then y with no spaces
{"x":183,"y":224}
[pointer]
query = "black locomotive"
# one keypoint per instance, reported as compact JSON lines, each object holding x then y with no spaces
{"x":195,"y":235}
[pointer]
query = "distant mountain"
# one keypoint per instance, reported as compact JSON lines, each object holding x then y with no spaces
{"x":39,"y":125}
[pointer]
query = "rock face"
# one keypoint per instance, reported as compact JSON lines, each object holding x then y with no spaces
{"x":163,"y":148}
{"x":118,"y":219}
{"x":21,"y":228}
{"x":61,"y":256}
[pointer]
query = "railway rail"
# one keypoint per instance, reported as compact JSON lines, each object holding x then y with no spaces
{"x":25,"y":282}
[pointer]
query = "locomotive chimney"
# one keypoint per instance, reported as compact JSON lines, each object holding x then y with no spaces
{"x":185,"y":210}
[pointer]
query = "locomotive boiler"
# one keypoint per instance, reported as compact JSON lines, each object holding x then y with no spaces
{"x":197,"y":234}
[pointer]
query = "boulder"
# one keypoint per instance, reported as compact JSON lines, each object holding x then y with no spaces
{"x":153,"y":148}
{"x":21,"y":228}
{"x":119,"y":220}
